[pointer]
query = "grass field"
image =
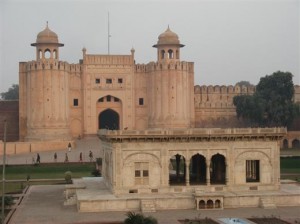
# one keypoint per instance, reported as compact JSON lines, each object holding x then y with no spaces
{"x":290,"y":168}
{"x":43,"y":171}
{"x":47,"y":171}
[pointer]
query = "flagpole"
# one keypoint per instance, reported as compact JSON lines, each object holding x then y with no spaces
{"x":108,"y":34}
{"x":3,"y":172}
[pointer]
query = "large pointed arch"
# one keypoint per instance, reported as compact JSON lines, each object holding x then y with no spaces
{"x":109,"y":119}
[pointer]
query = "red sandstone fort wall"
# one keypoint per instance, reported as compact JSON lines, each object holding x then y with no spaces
{"x":9,"y":110}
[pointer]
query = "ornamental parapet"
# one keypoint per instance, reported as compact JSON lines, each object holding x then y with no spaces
{"x":195,"y":134}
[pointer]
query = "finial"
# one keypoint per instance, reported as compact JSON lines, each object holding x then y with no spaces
{"x":132,"y":50}
{"x":47,"y":24}
{"x":168,"y":27}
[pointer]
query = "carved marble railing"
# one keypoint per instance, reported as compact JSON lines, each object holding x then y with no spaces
{"x":195,"y":134}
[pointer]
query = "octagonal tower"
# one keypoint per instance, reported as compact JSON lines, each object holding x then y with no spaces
{"x":171,"y":91}
{"x":44,"y":85}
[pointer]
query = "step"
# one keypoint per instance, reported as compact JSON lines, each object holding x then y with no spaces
{"x":267,"y":203}
{"x":148,"y":205}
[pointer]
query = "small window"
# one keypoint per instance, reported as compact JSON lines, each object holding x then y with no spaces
{"x":108,"y":81}
{"x":141,"y":101}
{"x":145,"y":173}
{"x":252,"y":170}
{"x":75,"y":102}
{"x":120,"y":80}
{"x":116,"y":99}
{"x":137,"y":173}
{"x":97,"y":81}
{"x":108,"y":98}
{"x":101,"y":99}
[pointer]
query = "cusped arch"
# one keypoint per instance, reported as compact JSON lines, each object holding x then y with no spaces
{"x":239,"y":156}
{"x":111,"y":98}
{"x":209,"y":157}
{"x":128,"y":160}
{"x":189,"y":157}
{"x":171,"y":154}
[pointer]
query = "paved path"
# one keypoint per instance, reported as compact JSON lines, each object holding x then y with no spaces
{"x":84,"y":146}
{"x":44,"y":204}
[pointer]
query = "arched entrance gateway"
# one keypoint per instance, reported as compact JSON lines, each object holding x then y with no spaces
{"x":109,"y":119}
{"x":109,"y":109}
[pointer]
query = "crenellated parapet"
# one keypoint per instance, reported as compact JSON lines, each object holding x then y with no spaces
{"x":237,"y":89}
{"x":108,"y":59}
{"x":165,"y":65}
{"x":219,"y":96}
{"x":49,"y":65}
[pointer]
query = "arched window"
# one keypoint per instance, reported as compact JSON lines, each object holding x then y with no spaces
{"x":285,"y":144}
{"x":55,"y":54}
{"x":177,"y":171}
{"x":170,"y":54}
{"x":210,"y":204}
{"x":162,"y":54}
{"x":40,"y":54}
{"x":217,"y":169}
{"x":177,"y":54}
{"x":296,"y":144}
{"x":217,"y":204}
{"x":201,"y":204}
{"x":47,"y":54}
{"x":198,"y":169}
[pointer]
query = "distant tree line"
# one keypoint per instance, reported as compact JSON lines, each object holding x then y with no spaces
{"x":272,"y":103}
{"x":11,"y":94}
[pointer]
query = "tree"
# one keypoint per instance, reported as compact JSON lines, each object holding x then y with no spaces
{"x":11,"y":94}
{"x":134,"y":218}
{"x":244,"y":83}
{"x":272,"y":103}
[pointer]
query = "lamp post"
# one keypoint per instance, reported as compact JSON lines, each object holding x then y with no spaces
{"x":3,"y":172}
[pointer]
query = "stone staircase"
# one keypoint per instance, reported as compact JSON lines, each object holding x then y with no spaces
{"x":148,"y":205}
{"x":267,"y":203}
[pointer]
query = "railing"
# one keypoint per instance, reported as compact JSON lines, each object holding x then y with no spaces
{"x":194,"y":132}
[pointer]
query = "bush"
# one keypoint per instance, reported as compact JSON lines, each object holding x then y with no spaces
{"x":134,"y":218}
{"x":68,"y":177}
{"x":8,"y":201}
{"x":96,"y":173}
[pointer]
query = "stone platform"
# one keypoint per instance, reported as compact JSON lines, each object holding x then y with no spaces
{"x":91,"y":195}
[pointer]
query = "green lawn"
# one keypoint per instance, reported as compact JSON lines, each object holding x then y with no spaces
{"x":42,"y":171}
{"x":47,"y":171}
{"x":290,"y":168}
{"x":291,"y":164}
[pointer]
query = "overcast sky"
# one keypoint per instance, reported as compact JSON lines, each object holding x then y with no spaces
{"x":228,"y":41}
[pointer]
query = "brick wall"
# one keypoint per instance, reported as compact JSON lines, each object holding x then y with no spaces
{"x":9,"y":110}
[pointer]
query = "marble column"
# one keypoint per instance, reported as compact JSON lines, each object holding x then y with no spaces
{"x":187,"y":176}
{"x":208,"y":173}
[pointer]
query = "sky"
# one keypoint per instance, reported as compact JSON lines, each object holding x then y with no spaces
{"x":228,"y":40}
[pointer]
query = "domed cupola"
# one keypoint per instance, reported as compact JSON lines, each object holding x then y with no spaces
{"x":47,"y":44}
{"x":168,"y":46}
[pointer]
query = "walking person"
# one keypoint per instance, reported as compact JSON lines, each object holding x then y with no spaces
{"x":55,"y":157}
{"x":66,"y":158}
{"x":69,"y":147}
{"x":91,"y":156}
{"x":38,"y":158}
{"x":80,"y":157}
